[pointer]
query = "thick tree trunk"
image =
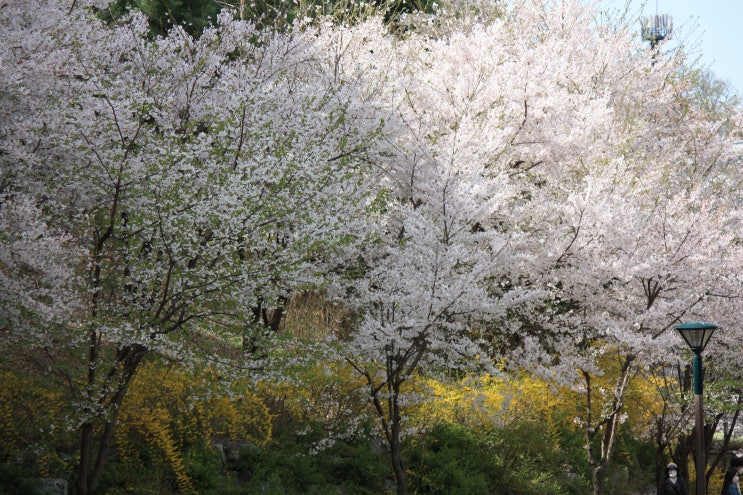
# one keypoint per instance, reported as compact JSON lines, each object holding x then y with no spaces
{"x":89,"y":472}
{"x":401,"y":477}
{"x":598,"y":476}
{"x":661,"y":444}
{"x":83,"y":470}
{"x":398,"y":465}
{"x":681,"y":453}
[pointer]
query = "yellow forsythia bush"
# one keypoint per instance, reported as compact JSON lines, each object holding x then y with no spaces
{"x":483,"y":401}
{"x":170,"y":409}
{"x":32,"y":420}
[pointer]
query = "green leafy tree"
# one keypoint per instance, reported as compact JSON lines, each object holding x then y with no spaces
{"x":193,"y":15}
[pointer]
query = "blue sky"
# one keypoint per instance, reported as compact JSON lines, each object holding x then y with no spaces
{"x":711,"y":29}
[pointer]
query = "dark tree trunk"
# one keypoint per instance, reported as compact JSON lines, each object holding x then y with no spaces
{"x":608,"y":426}
{"x":682,"y":452}
{"x":94,"y":452}
{"x":661,"y":444}
{"x":398,"y":465}
{"x":727,"y":431}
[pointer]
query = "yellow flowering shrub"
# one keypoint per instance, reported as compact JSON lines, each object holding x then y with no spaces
{"x":32,"y":419}
{"x":169,"y":409}
{"x":472,"y":400}
{"x":330,"y":396}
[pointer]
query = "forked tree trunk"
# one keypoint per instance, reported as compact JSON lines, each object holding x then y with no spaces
{"x":94,"y":451}
{"x":609,"y":425}
{"x":390,"y":419}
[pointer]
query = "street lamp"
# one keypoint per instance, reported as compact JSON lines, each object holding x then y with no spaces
{"x":696,"y":335}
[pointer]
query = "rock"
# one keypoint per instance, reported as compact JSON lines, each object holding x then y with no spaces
{"x":51,"y":486}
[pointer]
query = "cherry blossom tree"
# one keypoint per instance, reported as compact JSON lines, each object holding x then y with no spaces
{"x":449,"y":282}
{"x":556,"y":196}
{"x":519,"y":187}
{"x":168,"y":188}
{"x":652,"y":238}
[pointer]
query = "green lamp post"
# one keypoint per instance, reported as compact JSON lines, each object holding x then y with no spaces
{"x":696,"y":335}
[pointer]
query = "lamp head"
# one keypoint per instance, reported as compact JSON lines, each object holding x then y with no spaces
{"x":696,"y":334}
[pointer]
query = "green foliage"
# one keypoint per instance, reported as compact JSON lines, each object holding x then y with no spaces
{"x":533,"y":448}
{"x":32,"y":423}
{"x":193,"y":15}
{"x":517,"y":458}
{"x":15,"y":480}
{"x":478,"y":437}
{"x":633,"y":467}
{"x":532,"y":460}
{"x":204,"y":467}
{"x":168,"y":421}
{"x":450,"y":459}
{"x":196,"y":15}
{"x":286,"y":467}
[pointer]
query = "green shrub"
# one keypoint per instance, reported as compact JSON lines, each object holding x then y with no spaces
{"x":204,"y":467}
{"x":449,"y":459}
{"x":531,"y":461}
{"x":515,"y":459}
{"x":286,"y":467}
{"x":15,"y":480}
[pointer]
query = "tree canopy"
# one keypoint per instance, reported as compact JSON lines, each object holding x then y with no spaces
{"x":523,"y":188}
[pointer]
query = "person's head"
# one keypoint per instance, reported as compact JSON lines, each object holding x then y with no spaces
{"x":737,"y":464}
{"x":672,"y":470}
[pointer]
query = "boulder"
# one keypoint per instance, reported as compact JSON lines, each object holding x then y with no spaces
{"x":51,"y":486}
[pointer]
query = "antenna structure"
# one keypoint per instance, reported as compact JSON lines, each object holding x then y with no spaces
{"x":656,"y":28}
